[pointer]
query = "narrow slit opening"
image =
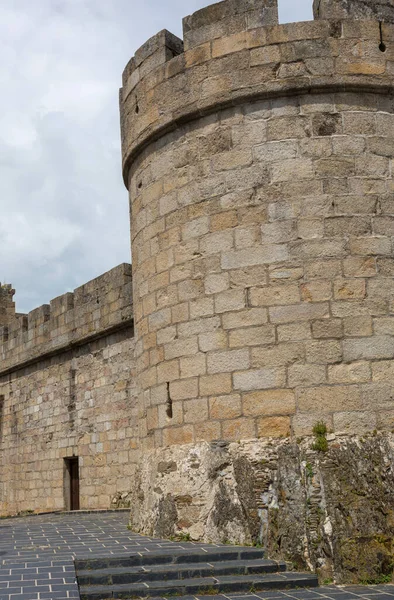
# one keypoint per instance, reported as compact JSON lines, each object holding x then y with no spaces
{"x":169,"y":411}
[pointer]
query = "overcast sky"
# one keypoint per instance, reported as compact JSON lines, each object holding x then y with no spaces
{"x":64,"y":210}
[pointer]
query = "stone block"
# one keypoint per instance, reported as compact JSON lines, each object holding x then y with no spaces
{"x":324,"y":352}
{"x":196,"y":410}
{"x":191,"y":366}
{"x":360,"y":266}
{"x":198,"y":55}
{"x":252,"y":336}
{"x":354,"y":422}
{"x":294,"y":332}
{"x":261,"y":255}
{"x":186,"y":388}
{"x":357,"y":326}
{"x":323,"y":269}
{"x":358,"y":372}
{"x":289,"y":170}
{"x":310,"y":228}
{"x":275,"y":427}
{"x":341,"y":226}
{"x":217,"y":242}
{"x":279,"y":355}
{"x":197,"y":326}
{"x":195,"y":228}
{"x":383,"y":371}
{"x":183,"y":347}
{"x":245,"y":318}
{"x":223,"y":221}
{"x":370,"y":348}
{"x":299,"y":312}
{"x":215,"y":385}
{"x":265,"y":55}
{"x":230,"y":300}
{"x":279,"y":295}
{"x":327,"y":328}
{"x":201,"y":307}
{"x":371,"y":246}
{"x":175,"y":436}
{"x":273,"y":402}
{"x":208,"y":431}
{"x":225,"y":407}
{"x":168,"y":371}
{"x":260,"y":379}
{"x":325,"y":399}
{"x":377,"y":396}
{"x":316,"y":291}
{"x":228,"y":361}
{"x":239,"y":429}
{"x":384,"y":326}
{"x":383,"y":226}
{"x":300,"y":375}
{"x":276,"y":151}
{"x":278,"y":232}
{"x":285,"y":128}
{"x":349,"y":289}
{"x":214,"y":340}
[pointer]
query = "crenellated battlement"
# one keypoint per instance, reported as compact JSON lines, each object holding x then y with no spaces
{"x":382,"y":10}
{"x":90,"y":311}
{"x":231,"y":56}
{"x":226,"y":18}
{"x":7,"y":305}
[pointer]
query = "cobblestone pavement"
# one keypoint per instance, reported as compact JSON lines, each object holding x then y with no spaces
{"x":36,"y":558}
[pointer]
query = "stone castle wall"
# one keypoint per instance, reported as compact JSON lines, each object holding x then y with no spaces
{"x":67,"y":388}
{"x":259,"y":168}
{"x":258,"y":159}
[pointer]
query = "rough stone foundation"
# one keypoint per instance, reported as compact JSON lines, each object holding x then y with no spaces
{"x":332,"y":511}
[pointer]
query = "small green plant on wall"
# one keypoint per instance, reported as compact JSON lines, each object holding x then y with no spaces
{"x":320,"y":432}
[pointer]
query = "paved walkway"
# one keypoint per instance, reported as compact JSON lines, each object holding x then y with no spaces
{"x":36,"y":558}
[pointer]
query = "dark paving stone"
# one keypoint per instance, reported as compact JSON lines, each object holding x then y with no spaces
{"x":383,"y":596}
{"x":38,"y":551}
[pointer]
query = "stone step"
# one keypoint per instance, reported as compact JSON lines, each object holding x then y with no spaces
{"x":199,"y":586}
{"x":120,"y":575}
{"x":192,"y":554}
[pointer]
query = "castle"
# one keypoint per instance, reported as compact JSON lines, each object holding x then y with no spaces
{"x":244,"y":391}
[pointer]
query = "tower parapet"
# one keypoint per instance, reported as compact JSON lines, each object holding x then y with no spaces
{"x":382,"y":10}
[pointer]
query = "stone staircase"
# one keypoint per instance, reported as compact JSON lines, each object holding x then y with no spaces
{"x":181,"y":572}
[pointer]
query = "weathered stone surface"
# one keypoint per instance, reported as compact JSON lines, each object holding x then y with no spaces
{"x":258,"y":159}
{"x":382,"y":10}
{"x":74,"y":395}
{"x":332,"y":512}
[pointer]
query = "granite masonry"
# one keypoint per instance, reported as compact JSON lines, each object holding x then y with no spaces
{"x":247,"y":393}
{"x":67,"y":391}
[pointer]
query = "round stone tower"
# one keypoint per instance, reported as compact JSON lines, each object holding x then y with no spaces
{"x":258,"y":158}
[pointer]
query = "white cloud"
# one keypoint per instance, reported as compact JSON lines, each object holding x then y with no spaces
{"x":64,"y":210}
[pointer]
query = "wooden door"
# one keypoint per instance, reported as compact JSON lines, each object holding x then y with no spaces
{"x":74,"y":484}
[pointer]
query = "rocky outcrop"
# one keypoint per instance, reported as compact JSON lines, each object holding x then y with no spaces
{"x":331,"y":512}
